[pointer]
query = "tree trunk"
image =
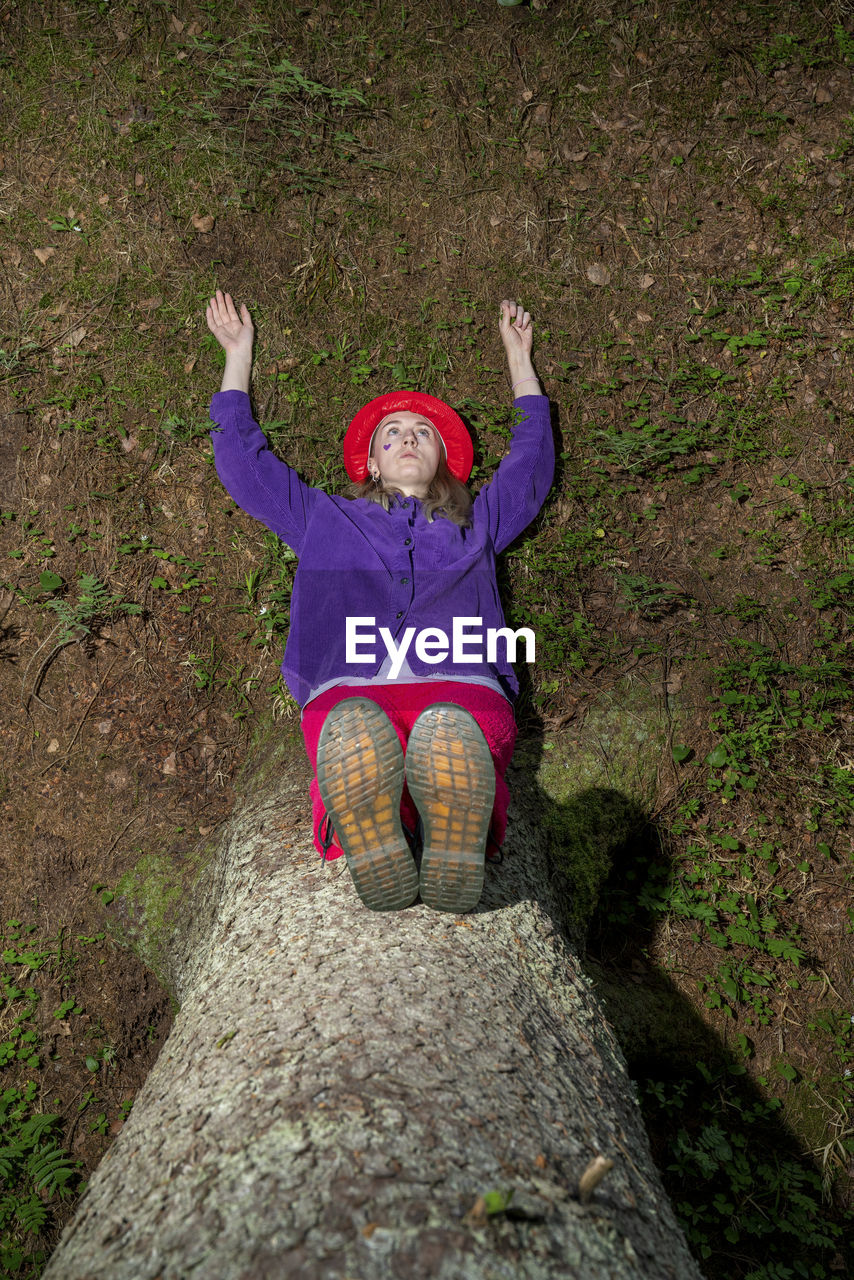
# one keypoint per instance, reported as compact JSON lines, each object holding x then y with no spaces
{"x":341,"y":1089}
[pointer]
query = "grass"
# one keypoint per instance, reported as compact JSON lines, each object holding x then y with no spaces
{"x":732,"y":1194}
{"x":41,"y":1006}
{"x":372,"y":180}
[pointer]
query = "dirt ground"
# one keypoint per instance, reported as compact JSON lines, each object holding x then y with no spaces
{"x":670,"y":190}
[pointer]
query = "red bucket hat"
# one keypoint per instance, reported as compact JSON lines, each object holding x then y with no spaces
{"x":450,"y":426}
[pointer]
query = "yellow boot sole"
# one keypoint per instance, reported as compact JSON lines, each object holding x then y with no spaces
{"x":360,"y":775}
{"x":451,"y":777}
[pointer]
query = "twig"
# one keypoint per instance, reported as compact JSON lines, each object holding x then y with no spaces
{"x":135,"y":817}
{"x":43,"y":346}
{"x":44,"y":666}
{"x":81,"y":722}
{"x":89,"y":707}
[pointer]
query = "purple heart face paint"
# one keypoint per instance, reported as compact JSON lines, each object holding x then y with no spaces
{"x":406,"y":449}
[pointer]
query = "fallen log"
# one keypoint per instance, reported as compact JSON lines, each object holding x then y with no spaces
{"x":348,"y":1095}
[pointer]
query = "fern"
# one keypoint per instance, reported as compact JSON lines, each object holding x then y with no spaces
{"x":10,"y":1157}
{"x":94,"y":596}
{"x":36,"y":1172}
{"x":28,"y":1161}
{"x":25,"y":1146}
{"x":8,"y":1208}
{"x":36,"y":1128}
{"x":51,"y":1168}
{"x":32,"y":1213}
{"x":93,"y":599}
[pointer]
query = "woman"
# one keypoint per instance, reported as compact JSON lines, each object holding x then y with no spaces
{"x":394,"y":651}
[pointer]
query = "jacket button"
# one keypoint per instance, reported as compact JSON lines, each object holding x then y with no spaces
{"x":404,"y":582}
{"x":407,"y":542}
{"x":399,"y":614}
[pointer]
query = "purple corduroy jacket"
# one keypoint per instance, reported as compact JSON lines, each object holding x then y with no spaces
{"x":357,"y":560}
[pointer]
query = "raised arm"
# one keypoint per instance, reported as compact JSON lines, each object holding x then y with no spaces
{"x":234,"y":332}
{"x":519,"y":487}
{"x":258,"y":481}
{"x":517,"y":334}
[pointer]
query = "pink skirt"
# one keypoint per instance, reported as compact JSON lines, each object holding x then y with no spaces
{"x":403,"y":704}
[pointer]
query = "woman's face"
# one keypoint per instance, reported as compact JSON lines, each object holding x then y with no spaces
{"x":405,"y":452}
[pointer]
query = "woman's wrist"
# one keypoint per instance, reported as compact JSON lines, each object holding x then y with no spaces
{"x":237,"y":372}
{"x":523,"y":378}
{"x":520,"y":367}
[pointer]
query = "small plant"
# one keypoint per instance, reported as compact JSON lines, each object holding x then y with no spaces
{"x":267,"y":590}
{"x":94,"y":602}
{"x":94,"y":605}
{"x":205,"y":666}
{"x":35,"y":1170}
{"x":645,"y":446}
{"x":748,"y":1208}
{"x":654,"y":599}
{"x":66,"y":223}
{"x":251,"y":583}
{"x":178,"y":428}
{"x":12,"y":359}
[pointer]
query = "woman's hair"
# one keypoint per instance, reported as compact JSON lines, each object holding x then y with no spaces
{"x":446,"y":496}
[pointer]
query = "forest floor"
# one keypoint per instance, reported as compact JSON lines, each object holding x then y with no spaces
{"x":669,"y":190}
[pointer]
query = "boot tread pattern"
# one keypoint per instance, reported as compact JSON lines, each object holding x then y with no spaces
{"x":451,"y":777}
{"x":360,"y":775}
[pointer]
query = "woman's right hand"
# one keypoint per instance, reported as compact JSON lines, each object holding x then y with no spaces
{"x":234,"y":332}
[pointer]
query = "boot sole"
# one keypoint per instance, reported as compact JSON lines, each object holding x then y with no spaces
{"x":360,"y":775}
{"x":451,"y":778}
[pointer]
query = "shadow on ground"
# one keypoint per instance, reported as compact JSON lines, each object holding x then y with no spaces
{"x":749,"y":1200}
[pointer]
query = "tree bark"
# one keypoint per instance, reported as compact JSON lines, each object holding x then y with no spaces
{"x":341,"y":1089}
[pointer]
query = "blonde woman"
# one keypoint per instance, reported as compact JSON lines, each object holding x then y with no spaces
{"x":395,"y":652}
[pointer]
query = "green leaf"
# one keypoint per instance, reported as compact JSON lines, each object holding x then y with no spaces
{"x":718,"y":757}
{"x":49,"y":581}
{"x":497,"y":1201}
{"x":51,"y":1168}
{"x":36,"y":1128}
{"x":32,"y":1214}
{"x":681,"y":753}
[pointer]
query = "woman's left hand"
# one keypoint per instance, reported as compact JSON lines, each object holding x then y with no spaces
{"x":516,"y":329}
